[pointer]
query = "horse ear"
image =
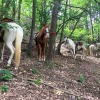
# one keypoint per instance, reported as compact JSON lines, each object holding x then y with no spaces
{"x":65,"y":39}
{"x":44,"y":24}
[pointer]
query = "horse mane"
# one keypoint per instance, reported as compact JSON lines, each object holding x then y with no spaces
{"x":40,"y":33}
{"x":79,"y":43}
{"x":6,"y":20}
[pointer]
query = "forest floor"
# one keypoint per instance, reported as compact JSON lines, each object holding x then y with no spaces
{"x":63,"y":79}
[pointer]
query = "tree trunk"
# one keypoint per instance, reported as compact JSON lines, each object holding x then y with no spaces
{"x":13,"y":10}
{"x":32,"y":28}
{"x":19,"y":9}
{"x":50,"y":52}
{"x":61,"y":34}
{"x":92,"y":32}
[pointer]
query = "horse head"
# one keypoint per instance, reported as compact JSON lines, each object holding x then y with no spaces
{"x":46,"y":31}
{"x":66,"y":40}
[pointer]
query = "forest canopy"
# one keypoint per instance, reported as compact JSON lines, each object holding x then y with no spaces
{"x":81,"y":18}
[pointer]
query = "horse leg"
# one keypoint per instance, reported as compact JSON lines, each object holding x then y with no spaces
{"x":91,"y":51}
{"x":84,"y":53}
{"x":39,"y":52}
{"x":2,"y":50}
{"x":95,"y":53}
{"x":71,"y":50}
{"x":73,"y":53}
{"x":12,"y":49}
{"x":43,"y":53}
{"x":82,"y":56}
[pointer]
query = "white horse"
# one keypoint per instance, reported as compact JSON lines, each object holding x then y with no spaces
{"x":71,"y":46}
{"x":12,"y":32}
{"x":75,"y":47}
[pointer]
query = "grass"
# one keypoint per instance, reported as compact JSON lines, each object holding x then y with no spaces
{"x":35,"y":71}
{"x":49,"y":64}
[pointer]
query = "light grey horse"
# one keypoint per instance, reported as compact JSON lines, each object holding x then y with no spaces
{"x":8,"y":34}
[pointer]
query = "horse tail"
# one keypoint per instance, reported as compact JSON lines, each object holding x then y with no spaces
{"x":19,"y":37}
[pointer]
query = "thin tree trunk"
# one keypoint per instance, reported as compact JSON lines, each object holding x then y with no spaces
{"x":50,"y":52}
{"x":19,"y":9}
{"x":98,"y":35}
{"x":92,"y":32}
{"x":13,"y":10}
{"x":61,"y":34}
{"x":32,"y":28}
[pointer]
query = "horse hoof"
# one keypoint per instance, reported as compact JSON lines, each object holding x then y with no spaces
{"x":43,"y":59}
{"x":82,"y":59}
{"x":16,"y":68}
{"x":40,"y":60}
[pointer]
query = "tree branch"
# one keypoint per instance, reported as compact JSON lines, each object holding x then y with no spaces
{"x":97,"y":2}
{"x":76,"y":24}
{"x":78,"y":7}
{"x":71,"y":18}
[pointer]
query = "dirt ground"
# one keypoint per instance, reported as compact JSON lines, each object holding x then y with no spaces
{"x":59,"y":80}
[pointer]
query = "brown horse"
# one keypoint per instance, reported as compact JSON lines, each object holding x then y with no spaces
{"x":41,"y":42}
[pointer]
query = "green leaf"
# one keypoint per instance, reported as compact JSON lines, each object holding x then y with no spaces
{"x":5,"y":75}
{"x":37,"y":81}
{"x":82,"y":78}
{"x":4,"y":88}
{"x":35,"y":71}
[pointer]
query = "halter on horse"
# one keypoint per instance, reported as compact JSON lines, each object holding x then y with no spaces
{"x":41,"y":42}
{"x":8,"y":35}
{"x":75,"y":47}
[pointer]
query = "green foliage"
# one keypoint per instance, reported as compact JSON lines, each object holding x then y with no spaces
{"x":78,"y":98}
{"x":5,"y":75}
{"x":67,"y":31}
{"x":49,"y":64}
{"x":82,"y":78}
{"x":44,"y":15}
{"x":79,"y":34}
{"x":5,"y":25}
{"x":35,"y":71}
{"x":4,"y":88}
{"x":37,"y":81}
